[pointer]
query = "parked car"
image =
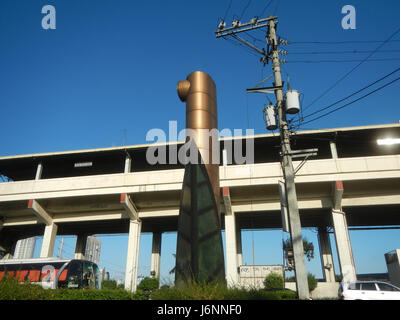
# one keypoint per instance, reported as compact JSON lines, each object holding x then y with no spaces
{"x":368,"y":290}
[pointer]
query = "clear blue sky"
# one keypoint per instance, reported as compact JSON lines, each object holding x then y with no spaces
{"x":112,"y":66}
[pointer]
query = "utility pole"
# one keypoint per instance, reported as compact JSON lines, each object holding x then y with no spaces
{"x":286,"y":153}
{"x":288,"y":171}
{"x":60,"y":250}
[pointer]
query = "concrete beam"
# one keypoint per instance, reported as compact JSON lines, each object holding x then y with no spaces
{"x":49,"y":238}
{"x":40,"y":212}
{"x":155,"y":255}
{"x":328,"y":170}
{"x":129,"y":206}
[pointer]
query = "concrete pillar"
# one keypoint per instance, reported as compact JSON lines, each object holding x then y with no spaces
{"x":49,"y":239}
{"x":239,"y":247}
{"x":128,"y":164}
{"x":232,"y":276}
{"x":343,"y":245}
{"x":155,"y":255}
{"x":80,"y":246}
{"x":39,"y":171}
{"x":328,"y":270}
{"x":132,"y":259}
{"x":342,"y":237}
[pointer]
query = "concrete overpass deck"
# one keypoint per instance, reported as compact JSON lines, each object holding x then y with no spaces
{"x":119,"y":186}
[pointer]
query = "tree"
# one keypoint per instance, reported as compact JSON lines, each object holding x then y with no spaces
{"x":274,"y":281}
{"x":148,"y":284}
{"x":308,"y":248}
{"x":172,"y":271}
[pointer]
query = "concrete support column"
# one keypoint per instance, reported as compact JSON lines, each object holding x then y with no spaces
{"x":49,"y":238}
{"x":328,"y":270}
{"x":155,"y":255}
{"x":343,"y":246}
{"x":232,"y":276}
{"x":239,"y":246}
{"x":132,"y":259}
{"x":80,"y":246}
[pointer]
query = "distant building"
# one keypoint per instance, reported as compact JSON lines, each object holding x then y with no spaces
{"x":105,"y":275}
{"x":93,"y":248}
{"x":24,"y":248}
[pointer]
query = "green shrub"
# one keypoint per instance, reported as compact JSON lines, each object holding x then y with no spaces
{"x":148,"y":284}
{"x":312,"y":282}
{"x":274,"y":281}
{"x":109,"y":284}
{"x":10,"y":289}
{"x":215,"y":291}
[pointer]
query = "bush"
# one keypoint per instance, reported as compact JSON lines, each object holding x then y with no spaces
{"x":10,"y":289}
{"x":148,"y":284}
{"x":109,"y":284}
{"x":274,"y":281}
{"x":312,"y":282}
{"x":215,"y":291}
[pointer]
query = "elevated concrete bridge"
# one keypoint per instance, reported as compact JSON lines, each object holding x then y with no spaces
{"x":352,"y":182}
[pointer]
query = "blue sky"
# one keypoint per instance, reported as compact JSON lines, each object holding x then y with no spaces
{"x":112,"y":66}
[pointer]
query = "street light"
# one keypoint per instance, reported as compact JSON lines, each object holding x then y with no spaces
{"x":388,"y":141}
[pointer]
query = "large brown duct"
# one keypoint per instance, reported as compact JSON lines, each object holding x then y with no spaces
{"x":199,"y":253}
{"x":200,"y":94}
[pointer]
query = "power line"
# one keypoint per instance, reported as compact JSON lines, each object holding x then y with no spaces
{"x":352,"y":70}
{"x":341,"y":52}
{"x":265,"y":8}
{"x":342,"y":42}
{"x":245,"y":9}
{"x":241,"y":45}
{"x":354,"y":101}
{"x":276,"y":7}
{"x":353,"y":94}
{"x":340,"y":61}
{"x":227,"y":10}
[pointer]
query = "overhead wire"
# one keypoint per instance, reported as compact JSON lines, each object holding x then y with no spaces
{"x":341,"y":52}
{"x":352,"y":94}
{"x":354,"y":101}
{"x":276,"y":7}
{"x":227,"y":10}
{"x":341,"y":61}
{"x":343,"y":42}
{"x":245,"y":9}
{"x":352,"y":70}
{"x":265,"y":8}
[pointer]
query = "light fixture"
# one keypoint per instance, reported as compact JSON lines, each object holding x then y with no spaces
{"x":83,"y":164}
{"x":388,"y":141}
